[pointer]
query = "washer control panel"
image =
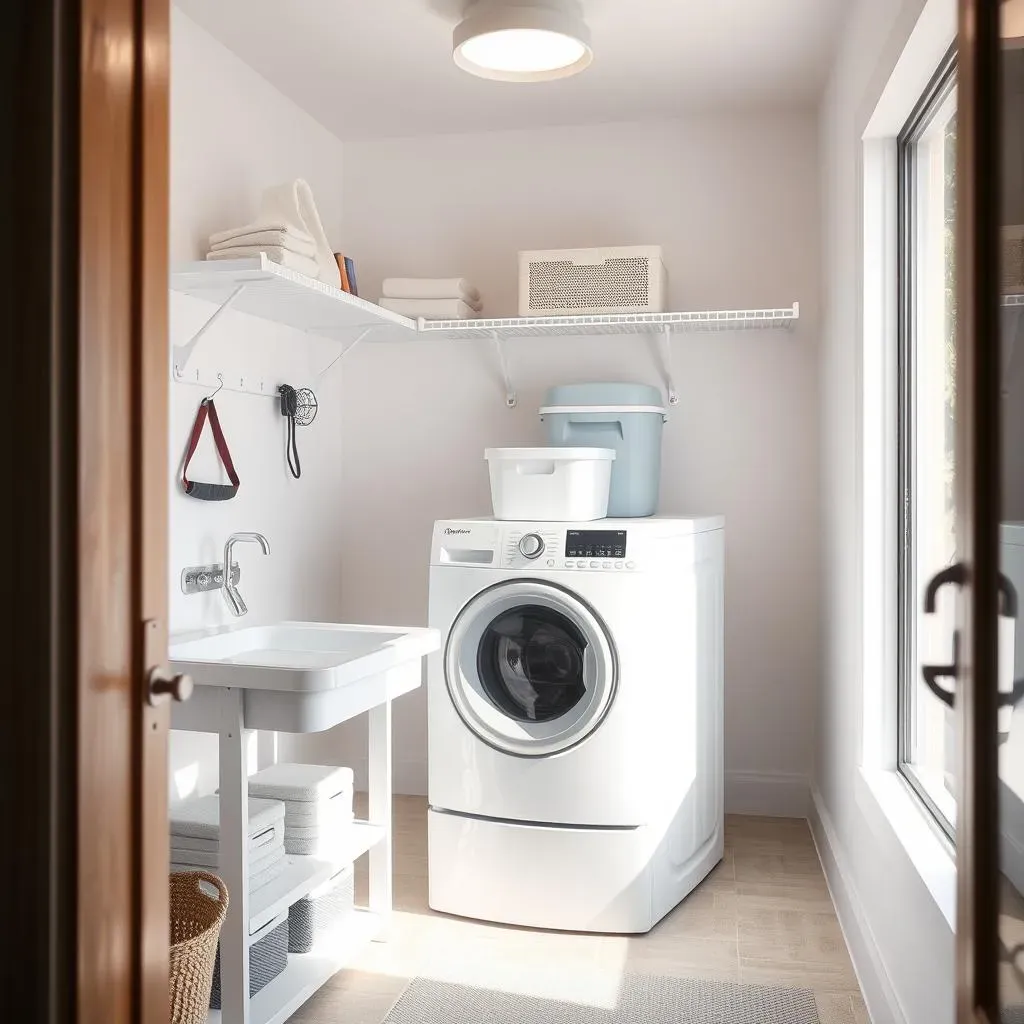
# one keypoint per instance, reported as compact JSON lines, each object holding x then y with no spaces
{"x":548,"y":546}
{"x":595,"y":544}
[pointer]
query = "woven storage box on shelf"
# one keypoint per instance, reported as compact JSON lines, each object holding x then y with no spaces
{"x":268,"y":957}
{"x":320,"y":911}
{"x":196,"y":919}
{"x":573,"y":282}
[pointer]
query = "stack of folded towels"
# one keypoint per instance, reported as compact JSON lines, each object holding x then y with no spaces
{"x":288,"y":229}
{"x":433,"y":298}
{"x":317,"y":805}
{"x":195,"y":838}
{"x":283,"y":243}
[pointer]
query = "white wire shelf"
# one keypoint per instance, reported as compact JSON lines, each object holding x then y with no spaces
{"x":265,"y":289}
{"x":614,"y":324}
{"x":1014,"y":301}
{"x":283,"y":296}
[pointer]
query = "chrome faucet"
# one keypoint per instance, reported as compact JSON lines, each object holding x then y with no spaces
{"x":231,"y":594}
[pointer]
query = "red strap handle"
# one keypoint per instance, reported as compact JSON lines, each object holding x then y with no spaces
{"x":209,"y":492}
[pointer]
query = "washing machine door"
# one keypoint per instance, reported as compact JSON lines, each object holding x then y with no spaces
{"x":530,"y":668}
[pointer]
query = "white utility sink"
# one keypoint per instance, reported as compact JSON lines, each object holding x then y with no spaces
{"x":298,"y":676}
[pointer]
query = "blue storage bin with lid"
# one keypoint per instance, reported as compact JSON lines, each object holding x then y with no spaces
{"x":626,"y":417}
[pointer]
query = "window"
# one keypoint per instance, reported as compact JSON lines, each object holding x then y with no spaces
{"x":927,"y":366}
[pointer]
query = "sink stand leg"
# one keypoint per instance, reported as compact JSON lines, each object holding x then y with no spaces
{"x":234,"y":861}
{"x":380,"y":814}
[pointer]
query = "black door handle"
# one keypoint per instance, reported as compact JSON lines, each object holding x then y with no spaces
{"x":933,"y":673}
{"x":957,"y":575}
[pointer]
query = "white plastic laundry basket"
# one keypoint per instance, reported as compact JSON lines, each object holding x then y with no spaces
{"x":550,"y":484}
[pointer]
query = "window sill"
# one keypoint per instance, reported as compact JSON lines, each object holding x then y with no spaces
{"x":885,"y":798}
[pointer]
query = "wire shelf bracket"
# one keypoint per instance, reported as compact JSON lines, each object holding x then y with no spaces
{"x":183,"y":353}
{"x":665,"y":351}
{"x":511,"y":398}
{"x":344,"y":352}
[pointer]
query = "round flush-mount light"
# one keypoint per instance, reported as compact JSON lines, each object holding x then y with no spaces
{"x":513,"y":41}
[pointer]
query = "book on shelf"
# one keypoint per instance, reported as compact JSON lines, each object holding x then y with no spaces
{"x":350,"y":273}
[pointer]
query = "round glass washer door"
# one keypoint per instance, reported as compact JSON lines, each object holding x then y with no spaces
{"x":530,"y":668}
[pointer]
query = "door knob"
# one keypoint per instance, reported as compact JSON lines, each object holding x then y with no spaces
{"x":163,"y":686}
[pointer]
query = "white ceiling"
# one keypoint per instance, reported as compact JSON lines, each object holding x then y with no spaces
{"x":368,"y":68}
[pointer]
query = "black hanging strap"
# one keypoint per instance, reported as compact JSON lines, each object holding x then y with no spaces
{"x":289,"y":407}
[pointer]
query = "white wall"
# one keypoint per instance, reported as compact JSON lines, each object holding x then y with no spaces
{"x":901,"y":942}
{"x":734,"y":202}
{"x":232,"y":134}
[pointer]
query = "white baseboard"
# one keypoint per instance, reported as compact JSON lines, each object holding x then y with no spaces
{"x":767,"y":794}
{"x":880,"y":996}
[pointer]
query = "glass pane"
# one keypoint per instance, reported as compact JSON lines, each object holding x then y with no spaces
{"x":530,"y":662}
{"x":928,"y":439}
{"x":1011,"y":634}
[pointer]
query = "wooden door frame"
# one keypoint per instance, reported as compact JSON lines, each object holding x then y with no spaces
{"x":978,"y":416}
{"x":85,"y":303}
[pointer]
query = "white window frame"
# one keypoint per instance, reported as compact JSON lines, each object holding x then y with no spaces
{"x":883,"y":794}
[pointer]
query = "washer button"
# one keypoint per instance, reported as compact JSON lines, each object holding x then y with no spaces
{"x":606,"y":565}
{"x":551,"y":562}
{"x":581,"y":565}
{"x":631,"y":565}
{"x":618,"y":565}
{"x":569,"y":565}
{"x":595,"y":565}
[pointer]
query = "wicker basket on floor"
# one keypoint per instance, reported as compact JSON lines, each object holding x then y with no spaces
{"x":196,"y":919}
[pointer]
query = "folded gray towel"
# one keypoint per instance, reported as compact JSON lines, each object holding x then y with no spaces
{"x":200,"y":817}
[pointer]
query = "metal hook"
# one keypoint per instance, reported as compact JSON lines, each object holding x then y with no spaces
{"x":220,"y":378}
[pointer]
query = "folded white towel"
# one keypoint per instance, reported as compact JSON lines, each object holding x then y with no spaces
{"x":292,"y":203}
{"x":328,"y":847}
{"x":200,"y":816}
{"x":264,"y":224}
{"x":293,"y":240}
{"x":298,"y":783}
{"x":431,"y":309}
{"x":256,"y":882}
{"x":260,"y":841}
{"x":310,"y":813}
{"x":431,"y":288}
{"x":287,"y":258}
{"x":208,"y":859}
{"x":338,"y":823}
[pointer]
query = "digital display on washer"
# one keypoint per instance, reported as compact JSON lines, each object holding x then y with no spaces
{"x":595,"y":544}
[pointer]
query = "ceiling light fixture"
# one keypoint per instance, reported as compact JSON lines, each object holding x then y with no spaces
{"x":530,"y":41}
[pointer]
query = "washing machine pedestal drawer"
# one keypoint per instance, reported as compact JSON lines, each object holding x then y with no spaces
{"x":565,"y":878}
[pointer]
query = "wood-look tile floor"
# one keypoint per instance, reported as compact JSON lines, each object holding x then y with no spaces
{"x":763,"y":916}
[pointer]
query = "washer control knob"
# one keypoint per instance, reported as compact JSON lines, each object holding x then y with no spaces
{"x":531,"y":545}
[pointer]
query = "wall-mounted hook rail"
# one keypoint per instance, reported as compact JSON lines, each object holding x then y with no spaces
{"x":183,"y":353}
{"x":254,"y":385}
{"x":665,"y":349}
{"x":511,"y":399}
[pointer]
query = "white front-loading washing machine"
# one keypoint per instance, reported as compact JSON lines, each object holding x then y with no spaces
{"x":575,"y":719}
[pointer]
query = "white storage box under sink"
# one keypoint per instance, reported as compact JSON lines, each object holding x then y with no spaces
{"x":550,"y":484}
